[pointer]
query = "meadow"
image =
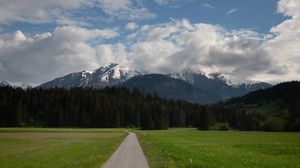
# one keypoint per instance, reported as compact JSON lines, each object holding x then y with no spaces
{"x":57,"y":147}
{"x":180,"y":147}
{"x":189,"y":147}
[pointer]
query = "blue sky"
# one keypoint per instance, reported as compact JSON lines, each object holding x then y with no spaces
{"x":246,"y":40}
{"x":253,"y":14}
{"x":257,"y":15}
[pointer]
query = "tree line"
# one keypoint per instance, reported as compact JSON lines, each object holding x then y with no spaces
{"x":112,"y":107}
{"x":286,"y":96}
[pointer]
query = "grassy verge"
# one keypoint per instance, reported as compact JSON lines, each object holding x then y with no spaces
{"x":192,"y":148}
{"x":42,"y":147}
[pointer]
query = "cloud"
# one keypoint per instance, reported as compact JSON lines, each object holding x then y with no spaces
{"x":173,"y":3}
{"x":66,"y":12}
{"x":46,"y":56}
{"x":241,"y":54}
{"x":179,"y":44}
{"x":74,"y":34}
{"x":131,"y":26}
{"x":284,"y":47}
{"x":126,"y":9}
{"x":37,"y":12}
{"x":112,"y":53}
{"x":233,"y":10}
{"x":162,"y":2}
{"x":289,"y":8}
{"x":161,"y":48}
{"x":207,"y":5}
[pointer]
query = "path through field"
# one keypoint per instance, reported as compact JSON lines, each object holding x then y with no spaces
{"x":128,"y":155}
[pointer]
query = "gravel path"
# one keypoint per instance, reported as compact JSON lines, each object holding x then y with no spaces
{"x":128,"y":155}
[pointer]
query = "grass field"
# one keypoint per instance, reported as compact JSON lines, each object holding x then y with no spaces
{"x":45,"y":148}
{"x":192,"y":148}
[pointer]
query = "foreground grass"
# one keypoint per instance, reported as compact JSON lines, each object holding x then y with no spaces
{"x":192,"y":148}
{"x":43,"y":147}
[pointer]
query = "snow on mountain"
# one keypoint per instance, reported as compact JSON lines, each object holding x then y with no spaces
{"x":188,"y":75}
{"x":218,"y":83}
{"x":253,"y":86}
{"x":16,"y":84}
{"x":185,"y":75}
{"x":4,"y":83}
{"x":108,"y":75}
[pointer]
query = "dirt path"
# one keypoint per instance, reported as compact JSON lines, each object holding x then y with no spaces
{"x":128,"y":155}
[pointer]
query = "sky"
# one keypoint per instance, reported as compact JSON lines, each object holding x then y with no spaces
{"x":244,"y":40}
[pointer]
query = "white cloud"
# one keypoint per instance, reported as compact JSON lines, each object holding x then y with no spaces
{"x":179,"y":44}
{"x":73,"y":34}
{"x":162,"y":2}
{"x":37,"y":11}
{"x":233,"y":10}
{"x":126,"y":9}
{"x":284,"y":47}
{"x":65,"y":12}
{"x":173,"y":3}
{"x":162,"y":48}
{"x":112,"y":53}
{"x":289,"y":8}
{"x":131,"y":26}
{"x":151,"y":56}
{"x":207,"y":5}
{"x":49,"y":55}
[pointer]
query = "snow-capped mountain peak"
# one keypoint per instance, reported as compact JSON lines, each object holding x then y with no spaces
{"x":221,"y":77}
{"x":107,"y":75}
{"x":4,"y":83}
{"x":16,"y":84}
{"x":186,"y":75}
{"x":217,"y":83}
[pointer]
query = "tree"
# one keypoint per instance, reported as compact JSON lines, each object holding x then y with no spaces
{"x":274,"y":124}
{"x":147,"y":122}
{"x":206,"y":119}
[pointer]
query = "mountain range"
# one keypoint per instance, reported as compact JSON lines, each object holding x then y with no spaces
{"x":217,"y":84}
{"x":185,"y":85}
{"x":18,"y":84}
{"x":109,"y":75}
{"x":171,"y":88}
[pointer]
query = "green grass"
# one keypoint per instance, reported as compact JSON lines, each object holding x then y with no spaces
{"x":192,"y":148}
{"x":55,"y":147}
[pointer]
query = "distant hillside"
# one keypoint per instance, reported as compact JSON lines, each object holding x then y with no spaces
{"x":281,"y":101}
{"x":171,"y":88}
{"x":287,"y":93}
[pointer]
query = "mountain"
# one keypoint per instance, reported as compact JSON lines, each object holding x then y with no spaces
{"x":109,"y":75}
{"x":217,"y":84}
{"x":250,"y":87}
{"x":16,"y":84}
{"x":187,"y":85}
{"x":170,"y":88}
{"x":4,"y":83}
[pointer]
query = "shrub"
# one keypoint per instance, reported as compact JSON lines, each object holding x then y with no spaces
{"x":274,"y":124}
{"x":295,"y":126}
{"x":224,"y":127}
